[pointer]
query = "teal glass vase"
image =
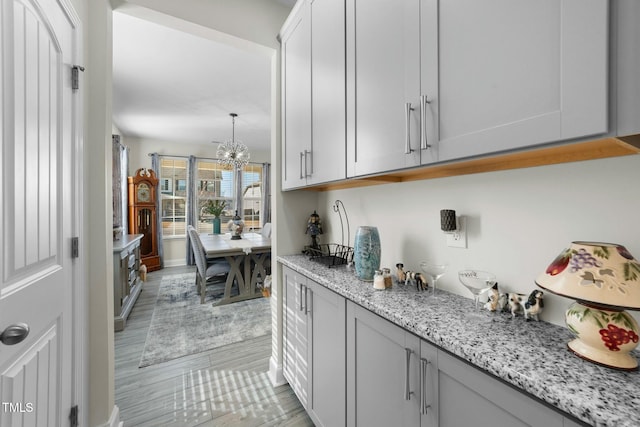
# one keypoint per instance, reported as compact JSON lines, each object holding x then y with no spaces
{"x":366,"y":252}
{"x":216,"y":225}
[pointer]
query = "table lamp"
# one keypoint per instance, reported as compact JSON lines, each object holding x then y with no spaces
{"x":604,"y":279}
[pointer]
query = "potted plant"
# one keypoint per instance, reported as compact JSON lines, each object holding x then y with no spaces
{"x":215,"y":208}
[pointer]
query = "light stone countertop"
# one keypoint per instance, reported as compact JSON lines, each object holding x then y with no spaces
{"x":531,"y":355}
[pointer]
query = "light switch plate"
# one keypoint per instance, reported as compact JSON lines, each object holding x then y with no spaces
{"x":458,"y":239}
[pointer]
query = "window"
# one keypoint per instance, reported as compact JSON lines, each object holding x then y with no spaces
{"x":173,"y":198}
{"x":213,"y":182}
{"x":252,"y":195}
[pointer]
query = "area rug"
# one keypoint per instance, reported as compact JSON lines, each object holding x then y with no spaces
{"x":180,"y":325}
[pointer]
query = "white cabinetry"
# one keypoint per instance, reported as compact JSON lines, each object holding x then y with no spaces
{"x":431,"y":80}
{"x":313,"y":83}
{"x":314,"y":348}
{"x":507,"y":74}
{"x":296,"y":96}
{"x":394,"y":378}
{"x":383,"y":83}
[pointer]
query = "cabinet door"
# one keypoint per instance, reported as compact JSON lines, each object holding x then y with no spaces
{"x":506,"y":74}
{"x":429,"y":386}
{"x":468,"y":397}
{"x":295,"y":333}
{"x":327,"y":162}
{"x":383,"y":76}
{"x":296,"y":98}
{"x":327,"y":402}
{"x":382,"y":372}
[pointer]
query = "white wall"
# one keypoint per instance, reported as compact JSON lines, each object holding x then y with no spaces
{"x":518,"y":220}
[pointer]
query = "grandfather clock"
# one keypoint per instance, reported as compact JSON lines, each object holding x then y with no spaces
{"x":142,"y":215}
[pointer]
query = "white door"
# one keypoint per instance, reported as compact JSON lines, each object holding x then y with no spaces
{"x":38,"y":211}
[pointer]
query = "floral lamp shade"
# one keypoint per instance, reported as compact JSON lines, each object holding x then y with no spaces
{"x":604,"y":279}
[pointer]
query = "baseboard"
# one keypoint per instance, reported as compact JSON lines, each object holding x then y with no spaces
{"x":114,"y":419}
{"x":174,"y":262}
{"x":275,"y":373}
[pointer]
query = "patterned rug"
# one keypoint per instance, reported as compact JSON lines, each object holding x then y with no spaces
{"x":180,"y":325}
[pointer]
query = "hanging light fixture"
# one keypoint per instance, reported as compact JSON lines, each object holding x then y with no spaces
{"x":232,"y":152}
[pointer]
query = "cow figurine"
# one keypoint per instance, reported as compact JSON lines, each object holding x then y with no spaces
{"x":401,"y":276}
{"x":534,"y":305}
{"x":493,"y":304}
{"x":531,"y":306}
{"x":416,"y":277}
{"x":515,"y":303}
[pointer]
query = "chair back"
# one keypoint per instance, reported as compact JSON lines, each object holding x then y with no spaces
{"x":266,"y":230}
{"x":198,"y":251}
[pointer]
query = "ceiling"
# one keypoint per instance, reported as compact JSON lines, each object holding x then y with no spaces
{"x":173,"y":86}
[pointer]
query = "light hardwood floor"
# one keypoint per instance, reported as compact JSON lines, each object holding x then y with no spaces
{"x":226,"y":386}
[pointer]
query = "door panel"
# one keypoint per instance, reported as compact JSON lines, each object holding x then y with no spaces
{"x":37,"y":211}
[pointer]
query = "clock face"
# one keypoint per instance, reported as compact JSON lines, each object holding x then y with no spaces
{"x":144,"y":192}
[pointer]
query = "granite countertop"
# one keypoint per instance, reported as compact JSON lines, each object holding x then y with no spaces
{"x":531,"y":355}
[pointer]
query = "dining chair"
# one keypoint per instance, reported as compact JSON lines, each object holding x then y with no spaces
{"x":266,"y":230}
{"x":213,"y":274}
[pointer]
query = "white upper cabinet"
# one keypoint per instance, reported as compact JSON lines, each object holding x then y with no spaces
{"x":296,"y":97}
{"x":313,"y":93}
{"x":383,"y":85}
{"x":507,"y":74}
{"x":327,"y":161}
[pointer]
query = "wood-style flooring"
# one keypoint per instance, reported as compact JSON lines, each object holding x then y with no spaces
{"x":226,"y":386}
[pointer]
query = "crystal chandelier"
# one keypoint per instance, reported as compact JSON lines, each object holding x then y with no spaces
{"x":233,"y":153}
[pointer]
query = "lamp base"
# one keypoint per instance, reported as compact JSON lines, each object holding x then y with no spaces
{"x":602,"y":335}
{"x":621,"y":361}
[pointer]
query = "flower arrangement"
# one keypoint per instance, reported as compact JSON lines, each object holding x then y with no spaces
{"x":215,"y":207}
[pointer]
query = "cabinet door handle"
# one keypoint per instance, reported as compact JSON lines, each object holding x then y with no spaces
{"x":311,"y":161}
{"x":407,"y":116}
{"x":306,"y":174}
{"x":423,"y":122}
{"x":424,"y":406}
{"x":300,"y":292}
{"x":301,"y":160}
{"x":306,"y":300}
{"x":407,"y":368}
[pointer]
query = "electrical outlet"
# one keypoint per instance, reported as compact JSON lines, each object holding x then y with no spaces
{"x":458,"y":239}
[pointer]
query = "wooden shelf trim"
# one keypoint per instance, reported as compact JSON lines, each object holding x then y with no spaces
{"x":589,"y":150}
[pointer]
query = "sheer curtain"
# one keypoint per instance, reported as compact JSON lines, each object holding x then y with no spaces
{"x":192,"y":205}
{"x":266,"y":193}
{"x":155,"y":165}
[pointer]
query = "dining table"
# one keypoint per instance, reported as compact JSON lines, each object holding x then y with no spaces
{"x":249,"y":258}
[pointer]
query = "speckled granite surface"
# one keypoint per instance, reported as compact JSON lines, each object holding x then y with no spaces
{"x":530,"y":355}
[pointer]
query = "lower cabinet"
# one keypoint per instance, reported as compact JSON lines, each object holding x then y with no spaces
{"x":314,"y":348}
{"x":349,"y":366}
{"x":395,"y":378}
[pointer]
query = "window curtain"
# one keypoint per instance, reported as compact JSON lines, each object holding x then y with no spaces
{"x":266,"y":193}
{"x":192,"y":205}
{"x":120,"y":158}
{"x":238,"y":195}
{"x":155,"y":165}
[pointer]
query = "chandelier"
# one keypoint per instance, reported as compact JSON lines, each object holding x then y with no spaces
{"x":233,"y":153}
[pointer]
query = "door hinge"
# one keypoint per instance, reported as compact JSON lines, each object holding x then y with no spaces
{"x":75,"y":76}
{"x":73,"y":416}
{"x":75,"y":247}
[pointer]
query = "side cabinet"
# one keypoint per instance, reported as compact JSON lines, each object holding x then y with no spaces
{"x":314,"y":348}
{"x":126,"y":279}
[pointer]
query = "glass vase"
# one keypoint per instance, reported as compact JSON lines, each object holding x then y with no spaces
{"x":216,"y":225}
{"x":366,"y":252}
